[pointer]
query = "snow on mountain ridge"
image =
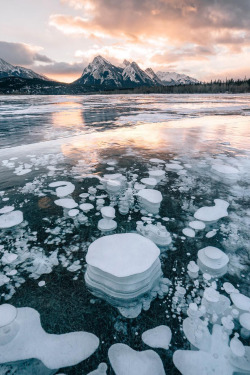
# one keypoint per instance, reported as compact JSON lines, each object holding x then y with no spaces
{"x":173,"y":78}
{"x":153,"y":76}
{"x":9,"y":70}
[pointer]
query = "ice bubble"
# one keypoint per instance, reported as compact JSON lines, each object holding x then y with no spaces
{"x":196,"y":224}
{"x":188,"y":232}
{"x":73,"y":212}
{"x":157,"y":233}
{"x":245,"y":323}
{"x":157,"y":174}
{"x":149,"y":182}
{"x":101,"y":370}
{"x":212,"y":213}
{"x":158,"y":337}
{"x":84,"y":195}
{"x":6,"y":209}
{"x":229,"y":288}
{"x":66,"y":203}
{"x":213,"y":261}
{"x":126,"y":361}
{"x":240,"y":301}
{"x":214,"y":360}
{"x":11,"y":219}
{"x":122,"y":268}
{"x":211,"y":233}
{"x":225,"y":169}
{"x":86,"y":207}
{"x":20,"y":171}
{"x":107,"y":223}
{"x":138,"y":186}
{"x":63,"y":188}
{"x":150,"y":200}
{"x":8,"y":314}
{"x":173,"y":166}
{"x":193,"y":269}
{"x":156,"y":161}
{"x":8,"y":258}
{"x":237,"y":347}
{"x":55,"y":351}
{"x":113,"y":186}
{"x":122,"y":255}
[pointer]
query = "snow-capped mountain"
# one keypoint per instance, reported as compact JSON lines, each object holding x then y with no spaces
{"x":172,"y":79}
{"x":133,"y":75}
{"x":153,"y":76}
{"x":8,"y":70}
{"x":101,"y":72}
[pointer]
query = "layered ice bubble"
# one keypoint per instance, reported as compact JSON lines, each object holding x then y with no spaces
{"x":122,"y":268}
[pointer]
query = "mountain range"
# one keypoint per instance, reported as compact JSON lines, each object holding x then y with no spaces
{"x":101,"y":72}
{"x":99,"y":75}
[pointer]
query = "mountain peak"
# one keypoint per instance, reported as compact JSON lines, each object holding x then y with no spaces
{"x":126,"y":63}
{"x":100,"y":60}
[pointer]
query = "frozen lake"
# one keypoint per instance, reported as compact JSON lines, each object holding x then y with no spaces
{"x":79,"y":139}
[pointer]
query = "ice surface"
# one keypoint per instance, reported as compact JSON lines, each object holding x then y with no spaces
{"x":158,"y":337}
{"x":212,"y":213}
{"x":126,"y":361}
{"x":53,"y":241}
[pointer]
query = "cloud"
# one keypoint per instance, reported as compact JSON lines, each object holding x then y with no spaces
{"x":188,"y":53}
{"x":185,"y":21}
{"x":61,"y":68}
{"x":21,"y":54}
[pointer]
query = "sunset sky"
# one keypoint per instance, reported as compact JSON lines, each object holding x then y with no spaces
{"x":205,"y":39}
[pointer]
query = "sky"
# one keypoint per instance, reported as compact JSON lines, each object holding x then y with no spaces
{"x":206,"y":39}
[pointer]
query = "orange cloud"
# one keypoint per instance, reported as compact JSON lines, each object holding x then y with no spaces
{"x":189,"y":21}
